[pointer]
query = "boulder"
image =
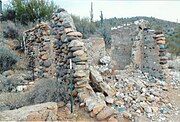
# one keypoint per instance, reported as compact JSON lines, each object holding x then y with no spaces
{"x":95,"y":76}
{"x":8,"y":73}
{"x":98,"y":107}
{"x":39,"y":112}
{"x":105,"y":113}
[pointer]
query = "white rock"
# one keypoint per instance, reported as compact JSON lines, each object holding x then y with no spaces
{"x":105,"y":60}
{"x":21,"y":88}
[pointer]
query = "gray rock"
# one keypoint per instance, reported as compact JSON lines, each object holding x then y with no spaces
{"x":7,"y":73}
{"x":105,"y":60}
{"x":95,"y":76}
{"x":105,"y":113}
{"x":109,"y":99}
{"x":27,"y":76}
{"x":47,"y":63}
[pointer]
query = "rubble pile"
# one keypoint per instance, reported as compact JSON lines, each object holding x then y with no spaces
{"x":134,"y":95}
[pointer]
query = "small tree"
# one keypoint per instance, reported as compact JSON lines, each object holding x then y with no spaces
{"x":32,"y":10}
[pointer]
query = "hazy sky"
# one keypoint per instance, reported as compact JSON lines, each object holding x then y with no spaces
{"x":167,"y":10}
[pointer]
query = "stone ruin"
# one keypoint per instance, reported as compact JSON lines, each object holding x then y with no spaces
{"x":61,"y":34}
{"x":140,"y":46}
{"x":50,"y":46}
{"x":39,"y":51}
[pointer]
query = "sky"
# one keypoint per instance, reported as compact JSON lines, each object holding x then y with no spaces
{"x":166,"y":10}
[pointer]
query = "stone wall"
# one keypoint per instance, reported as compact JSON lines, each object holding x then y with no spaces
{"x":122,"y":41}
{"x":39,"y":51}
{"x":96,"y":49}
{"x":68,"y":45}
{"x":142,"y":47}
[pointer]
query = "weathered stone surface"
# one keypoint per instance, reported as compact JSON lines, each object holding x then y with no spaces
{"x":8,"y":73}
{"x":68,"y":30}
{"x":83,"y":57}
{"x":105,"y":113}
{"x":105,"y":60}
{"x":112,"y":119}
{"x":106,"y":88}
{"x":74,"y":34}
{"x":95,"y":76}
{"x":109,"y":99}
{"x":44,"y":57}
{"x":98,"y":107}
{"x":79,"y":73}
{"x":78,"y":53}
{"x":39,"y":112}
{"x":127,"y":115}
{"x":76,"y":43}
{"x":47,"y":63}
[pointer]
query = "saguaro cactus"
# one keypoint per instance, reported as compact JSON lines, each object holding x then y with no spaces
{"x":91,"y":12}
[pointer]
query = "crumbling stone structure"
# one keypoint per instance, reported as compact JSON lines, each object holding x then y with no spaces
{"x":122,"y":41}
{"x":68,"y":45}
{"x":38,"y":50}
{"x":142,"y":47}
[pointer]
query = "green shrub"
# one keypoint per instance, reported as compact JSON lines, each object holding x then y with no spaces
{"x":173,"y":42}
{"x":47,"y":90}
{"x":84,"y":26}
{"x":32,"y":10}
{"x":10,"y":30}
{"x":7,"y":59}
{"x":9,"y":101}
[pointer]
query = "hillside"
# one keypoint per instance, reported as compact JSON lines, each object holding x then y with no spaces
{"x":166,"y":25}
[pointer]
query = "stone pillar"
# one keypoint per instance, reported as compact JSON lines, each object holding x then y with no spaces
{"x":38,"y":48}
{"x":150,"y":53}
{"x":29,"y":49}
{"x":161,"y":41}
{"x":68,"y":45}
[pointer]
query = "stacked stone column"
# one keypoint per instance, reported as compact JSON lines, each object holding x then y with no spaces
{"x":38,"y":49}
{"x":68,"y":45}
{"x":29,"y":48}
{"x":160,"y":40}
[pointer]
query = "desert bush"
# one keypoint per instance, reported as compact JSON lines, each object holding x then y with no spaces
{"x":9,"y":84}
{"x":47,"y":90}
{"x":10,"y":30}
{"x":9,"y":101}
{"x":7,"y":59}
{"x":32,"y":10}
{"x":105,"y":33}
{"x":84,"y":26}
{"x":8,"y":14}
